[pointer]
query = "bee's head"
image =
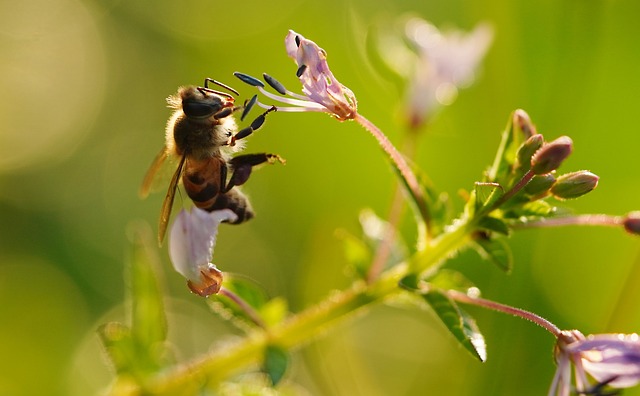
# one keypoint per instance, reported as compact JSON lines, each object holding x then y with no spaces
{"x":198,"y":103}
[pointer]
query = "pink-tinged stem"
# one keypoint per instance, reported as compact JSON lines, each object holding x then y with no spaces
{"x":399,"y":161}
{"x":516,"y":188}
{"x":586,"y":219}
{"x":246,"y":308}
{"x":530,"y":316}
{"x":395,"y":214}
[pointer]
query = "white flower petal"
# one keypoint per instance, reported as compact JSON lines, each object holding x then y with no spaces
{"x":192,"y":239}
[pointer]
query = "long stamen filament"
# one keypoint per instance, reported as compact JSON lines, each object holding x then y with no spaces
{"x":291,"y":101}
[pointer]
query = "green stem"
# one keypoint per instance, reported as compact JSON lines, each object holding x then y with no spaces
{"x":439,"y":249}
{"x":307,"y":325}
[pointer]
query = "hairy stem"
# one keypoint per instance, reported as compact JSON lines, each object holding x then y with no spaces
{"x":409,"y":178}
{"x":393,"y":218}
{"x":246,"y":308}
{"x":521,"y":313}
{"x":585,"y":220}
{"x":514,"y":190}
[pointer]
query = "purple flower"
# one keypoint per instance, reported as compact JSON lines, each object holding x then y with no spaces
{"x":442,"y":63}
{"x":191,"y":243}
{"x":318,"y":83}
{"x":322,"y":91}
{"x":610,"y":359}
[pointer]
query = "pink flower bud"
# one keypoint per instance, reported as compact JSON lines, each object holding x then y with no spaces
{"x":551,"y":155}
{"x":522,"y":121}
{"x":631,"y":223}
{"x":191,"y":242}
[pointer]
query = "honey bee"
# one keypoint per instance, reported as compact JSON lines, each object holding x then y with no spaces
{"x":202,"y":135}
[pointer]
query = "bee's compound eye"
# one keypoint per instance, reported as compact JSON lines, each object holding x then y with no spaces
{"x":198,"y":109}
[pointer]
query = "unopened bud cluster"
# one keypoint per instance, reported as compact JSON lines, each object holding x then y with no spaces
{"x":543,"y":159}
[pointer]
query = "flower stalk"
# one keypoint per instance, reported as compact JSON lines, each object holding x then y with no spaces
{"x":303,"y":327}
{"x":400,"y":163}
{"x":521,"y":313}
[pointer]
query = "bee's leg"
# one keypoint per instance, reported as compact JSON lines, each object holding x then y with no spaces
{"x":243,"y":164}
{"x":255,"y":125}
{"x":237,"y":202}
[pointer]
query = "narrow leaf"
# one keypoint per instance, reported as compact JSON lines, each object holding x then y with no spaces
{"x":148,"y":322}
{"x":459,"y":323}
{"x":448,"y":279}
{"x":419,"y":205}
{"x":357,"y":252}
{"x":497,"y":251}
{"x":487,"y":194}
{"x":512,"y":138}
{"x":276,"y":362}
{"x":120,"y":346}
{"x":494,"y":224}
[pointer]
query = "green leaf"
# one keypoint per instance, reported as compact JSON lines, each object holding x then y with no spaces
{"x":512,"y":138}
{"x":497,"y":251}
{"x":535,"y":209}
{"x":494,"y":224}
{"x":276,"y":362}
{"x":459,"y":323}
{"x":148,"y":322}
{"x":440,"y":207}
{"x":139,"y":350}
{"x":120,"y":346}
{"x":486,"y":194}
{"x":376,"y":230}
{"x":274,"y":311}
{"x":410,"y":282}
{"x":417,"y":203}
{"x":361,"y":251}
{"x":448,"y":279}
{"x":228,"y":309}
{"x":357,"y":252}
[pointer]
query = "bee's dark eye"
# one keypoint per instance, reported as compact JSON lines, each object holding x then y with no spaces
{"x":199,"y":109}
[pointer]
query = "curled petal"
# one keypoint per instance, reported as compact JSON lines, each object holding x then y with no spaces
{"x":191,"y":242}
{"x":318,"y":83}
{"x":610,"y":358}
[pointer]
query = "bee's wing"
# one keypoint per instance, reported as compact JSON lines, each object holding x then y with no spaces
{"x":165,"y":213}
{"x":157,"y":172}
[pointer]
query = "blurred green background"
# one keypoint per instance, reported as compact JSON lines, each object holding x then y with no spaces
{"x":83,"y":114}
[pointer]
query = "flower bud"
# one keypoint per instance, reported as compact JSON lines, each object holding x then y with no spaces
{"x":540,"y":184}
{"x":574,"y":184}
{"x":191,"y":242}
{"x":522,"y":121}
{"x":631,"y":223}
{"x":209,"y":283}
{"x":527,"y":149}
{"x":551,"y":155}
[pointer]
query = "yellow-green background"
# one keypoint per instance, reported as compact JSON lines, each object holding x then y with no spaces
{"x":83,"y":113}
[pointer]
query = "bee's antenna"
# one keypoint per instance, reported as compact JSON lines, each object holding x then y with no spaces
{"x":218,"y":83}
{"x":204,"y":90}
